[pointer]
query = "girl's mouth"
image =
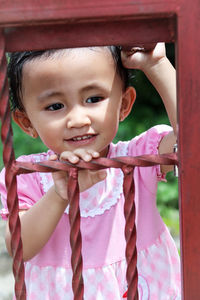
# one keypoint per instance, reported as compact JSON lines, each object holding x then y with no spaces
{"x":82,"y":140}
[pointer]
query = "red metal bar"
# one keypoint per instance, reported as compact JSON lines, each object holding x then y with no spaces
{"x":130,"y":233}
{"x":75,"y":234}
{"x":100,"y":163}
{"x":10,"y":177}
{"x":129,"y":32}
{"x":31,"y":12}
{"x":188,"y":65}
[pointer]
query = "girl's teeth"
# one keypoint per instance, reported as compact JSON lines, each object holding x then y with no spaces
{"x":81,"y":138}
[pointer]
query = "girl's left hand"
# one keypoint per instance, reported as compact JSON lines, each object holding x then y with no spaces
{"x":143,"y":60}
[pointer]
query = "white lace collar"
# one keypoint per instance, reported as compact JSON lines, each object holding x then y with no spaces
{"x":103,"y":195}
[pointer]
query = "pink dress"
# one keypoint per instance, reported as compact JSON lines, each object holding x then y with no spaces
{"x":48,"y":274}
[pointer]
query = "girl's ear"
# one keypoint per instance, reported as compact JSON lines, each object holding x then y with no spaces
{"x":128,"y":100}
{"x":23,"y":121}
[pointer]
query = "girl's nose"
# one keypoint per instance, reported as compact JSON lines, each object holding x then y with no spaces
{"x":78,"y":118}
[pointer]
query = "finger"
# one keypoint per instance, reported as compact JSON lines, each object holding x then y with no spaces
{"x":86,"y":155}
{"x":89,"y":178}
{"x":139,"y":47}
{"x":78,"y":154}
{"x":160,"y":49}
{"x":99,"y":176}
{"x":70,"y":156}
{"x":94,"y":153}
{"x":53,"y":157}
{"x":132,"y":61}
{"x":132,"y":51}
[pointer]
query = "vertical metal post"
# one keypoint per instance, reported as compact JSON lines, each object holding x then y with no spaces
{"x":75,"y":234}
{"x":130,"y":233}
{"x":188,"y":66}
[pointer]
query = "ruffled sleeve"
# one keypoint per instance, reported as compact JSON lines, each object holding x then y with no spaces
{"x":148,"y":143}
{"x":28,"y":189}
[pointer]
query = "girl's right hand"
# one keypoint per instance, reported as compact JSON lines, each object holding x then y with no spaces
{"x":143,"y":60}
{"x":86,"y":178}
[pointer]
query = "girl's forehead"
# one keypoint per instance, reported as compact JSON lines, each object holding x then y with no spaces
{"x":75,"y":56}
{"x":83,"y":50}
{"x":63,"y":66}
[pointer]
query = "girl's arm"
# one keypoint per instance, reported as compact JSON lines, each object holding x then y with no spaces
{"x":39,"y":222}
{"x":162,"y":75}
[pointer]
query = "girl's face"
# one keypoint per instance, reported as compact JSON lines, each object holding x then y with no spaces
{"x":74,"y":99}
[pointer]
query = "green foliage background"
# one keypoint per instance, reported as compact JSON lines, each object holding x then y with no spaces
{"x":148,"y":111}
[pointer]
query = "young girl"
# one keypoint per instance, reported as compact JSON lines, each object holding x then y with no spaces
{"x":74,"y":100}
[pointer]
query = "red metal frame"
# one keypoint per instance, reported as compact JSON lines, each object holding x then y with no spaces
{"x":83,"y":23}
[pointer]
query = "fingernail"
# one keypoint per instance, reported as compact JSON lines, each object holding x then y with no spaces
{"x":53,"y":157}
{"x":87,"y":157}
{"x":96,"y":154}
{"x":74,"y":159}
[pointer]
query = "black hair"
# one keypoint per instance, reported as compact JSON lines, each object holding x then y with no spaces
{"x":18,"y":59}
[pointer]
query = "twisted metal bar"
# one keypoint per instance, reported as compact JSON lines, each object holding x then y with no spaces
{"x":126,"y":164}
{"x":75,"y":234}
{"x":130,"y":233}
{"x":10,"y":178}
{"x":97,"y":164}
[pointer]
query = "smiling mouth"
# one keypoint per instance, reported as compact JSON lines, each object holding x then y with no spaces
{"x":82,"y":138}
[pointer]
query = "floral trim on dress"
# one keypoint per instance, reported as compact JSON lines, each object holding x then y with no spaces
{"x":100,"y":197}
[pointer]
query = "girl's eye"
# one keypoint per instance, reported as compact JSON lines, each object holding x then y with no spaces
{"x":55,"y":106}
{"x":94,"y":99}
